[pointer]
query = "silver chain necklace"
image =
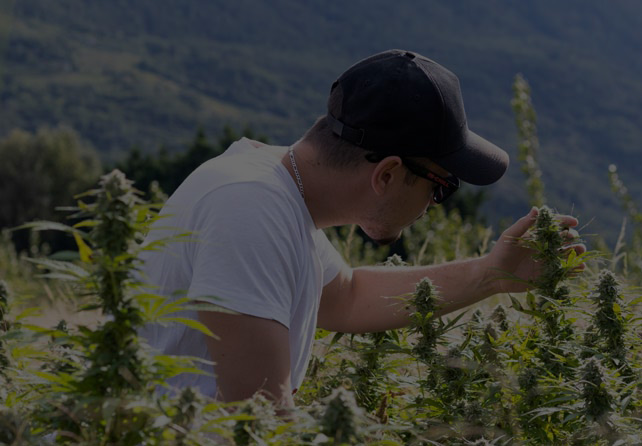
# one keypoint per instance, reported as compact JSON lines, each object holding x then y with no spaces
{"x":296,"y":171}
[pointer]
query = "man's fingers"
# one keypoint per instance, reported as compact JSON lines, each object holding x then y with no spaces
{"x":519,"y":228}
{"x":579,"y":248}
{"x":567,"y":221}
{"x":570,"y":234}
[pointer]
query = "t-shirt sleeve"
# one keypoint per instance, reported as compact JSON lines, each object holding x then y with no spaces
{"x":331,"y":260}
{"x":245,"y":255}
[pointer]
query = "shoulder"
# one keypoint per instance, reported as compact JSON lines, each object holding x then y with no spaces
{"x":240,"y":163}
{"x":248,"y":200}
{"x":251,"y":215}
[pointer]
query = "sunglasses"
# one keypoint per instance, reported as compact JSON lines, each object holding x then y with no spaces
{"x":446,"y":186}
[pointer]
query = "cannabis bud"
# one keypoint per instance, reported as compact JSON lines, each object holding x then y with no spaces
{"x":607,"y":319}
{"x":500,"y":317}
{"x":528,"y":378}
{"x":477,"y":318}
{"x":424,"y":299}
{"x":261,"y":414}
{"x":114,"y":207}
{"x":394,"y":260}
{"x":597,"y":400}
{"x":549,"y":243}
{"x":186,"y":410}
{"x":340,"y":418}
{"x":422,"y":321}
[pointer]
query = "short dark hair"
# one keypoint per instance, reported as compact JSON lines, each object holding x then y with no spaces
{"x":335,"y":152}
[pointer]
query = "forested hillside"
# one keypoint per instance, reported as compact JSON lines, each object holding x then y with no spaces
{"x":148,"y":73}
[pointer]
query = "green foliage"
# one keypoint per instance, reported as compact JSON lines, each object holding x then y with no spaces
{"x":97,"y":384}
{"x":499,"y":376}
{"x":112,"y":367}
{"x":354,"y":247}
{"x":627,"y":251}
{"x":528,"y":145}
{"x":608,"y":319}
{"x":597,"y":400}
{"x":114,"y":222}
{"x":423,"y":323}
{"x":505,"y":376}
{"x":443,"y":235}
{"x":339,"y":421}
{"x":259,"y":419}
{"x":560,"y":367}
{"x":41,"y":171}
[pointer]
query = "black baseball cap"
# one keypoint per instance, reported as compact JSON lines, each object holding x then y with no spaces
{"x":401,"y":103}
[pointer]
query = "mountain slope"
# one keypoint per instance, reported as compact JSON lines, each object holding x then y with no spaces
{"x":148,"y":72}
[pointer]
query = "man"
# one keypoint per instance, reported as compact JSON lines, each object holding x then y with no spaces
{"x":394,"y":141}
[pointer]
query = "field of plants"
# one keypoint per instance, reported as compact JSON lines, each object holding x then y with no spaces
{"x":559,"y":365}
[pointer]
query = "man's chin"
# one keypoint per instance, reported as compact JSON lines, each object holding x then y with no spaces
{"x":387,"y":241}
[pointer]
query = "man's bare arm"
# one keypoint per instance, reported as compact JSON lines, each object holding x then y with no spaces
{"x":252,"y":355}
{"x":372,"y":299}
{"x":375,"y":298}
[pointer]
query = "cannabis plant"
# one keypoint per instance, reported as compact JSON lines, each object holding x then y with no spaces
{"x":526,"y":120}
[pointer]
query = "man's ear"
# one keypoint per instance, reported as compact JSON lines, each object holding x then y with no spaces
{"x":385,"y":173}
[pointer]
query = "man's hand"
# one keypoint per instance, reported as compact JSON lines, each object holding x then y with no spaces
{"x":511,"y":265}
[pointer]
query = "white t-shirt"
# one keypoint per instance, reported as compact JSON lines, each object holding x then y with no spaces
{"x":257,"y":252}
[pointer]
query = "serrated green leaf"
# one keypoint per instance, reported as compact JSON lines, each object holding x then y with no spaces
{"x":83,"y":249}
{"x":617,"y":309}
{"x":29,"y":312}
{"x":516,"y":303}
{"x":58,"y":378}
{"x":86,"y":224}
{"x":636,"y":301}
{"x":530,"y":299}
{"x":44,"y":225}
{"x":65,"y":256}
{"x":38,"y":329}
{"x":572,"y":255}
{"x":61,"y":266}
{"x":451,"y":322}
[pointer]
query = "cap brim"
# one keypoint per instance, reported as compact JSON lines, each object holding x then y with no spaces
{"x":478,"y":162}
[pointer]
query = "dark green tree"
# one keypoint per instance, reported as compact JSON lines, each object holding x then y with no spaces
{"x":170,"y":170}
{"x":40,"y":172}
